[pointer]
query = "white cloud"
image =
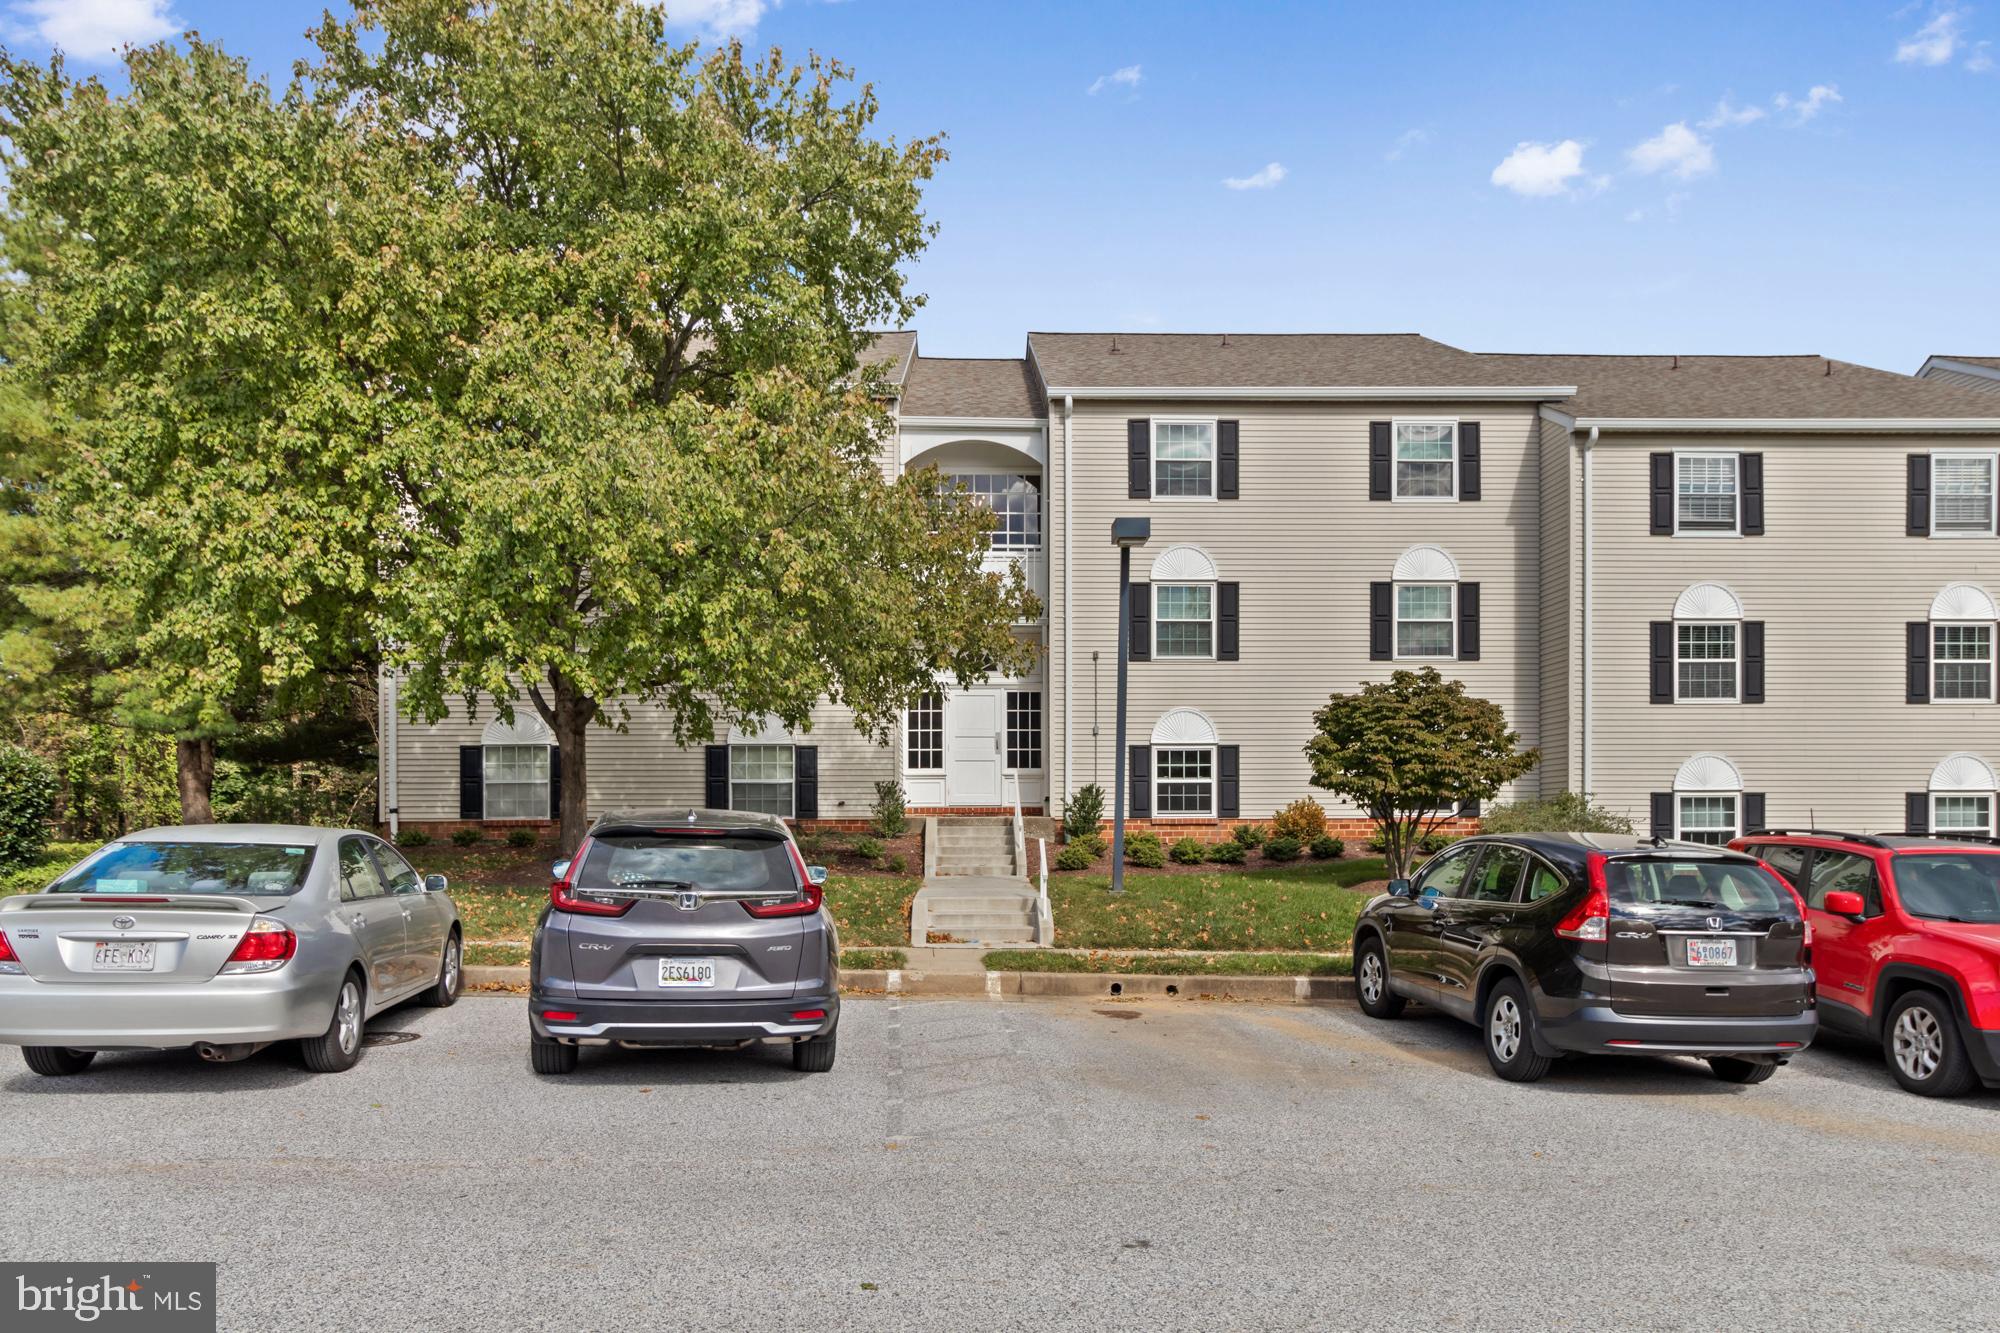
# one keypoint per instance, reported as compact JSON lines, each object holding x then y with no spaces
{"x":1540,"y":169}
{"x":719,"y":18}
{"x":1677,"y":150}
{"x":1270,"y":174}
{"x":1817,"y":99}
{"x":1125,"y":77}
{"x":1405,"y":141}
{"x":1726,"y":115}
{"x":1981,"y":59}
{"x":98,"y":29}
{"x":1936,"y":42}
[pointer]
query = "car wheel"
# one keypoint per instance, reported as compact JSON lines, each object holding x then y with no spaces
{"x":57,"y":1061}
{"x":1923,"y":1048}
{"x":451,"y":975}
{"x":339,"y":1047}
{"x":549,"y":1057}
{"x":1371,"y":981}
{"x":1508,"y":1027}
{"x":815,"y":1055}
{"x":1741,"y":1071}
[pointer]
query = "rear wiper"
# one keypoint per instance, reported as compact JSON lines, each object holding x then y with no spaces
{"x":652,"y":884}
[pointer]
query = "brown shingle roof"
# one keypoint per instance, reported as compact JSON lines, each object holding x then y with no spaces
{"x":1742,"y":387}
{"x":891,"y":349}
{"x":952,"y":386}
{"x":1262,"y":360}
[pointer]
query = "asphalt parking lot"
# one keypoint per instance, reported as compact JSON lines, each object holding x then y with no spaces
{"x":973,"y":1163}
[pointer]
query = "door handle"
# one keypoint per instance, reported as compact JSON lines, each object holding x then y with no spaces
{"x":358,"y":918}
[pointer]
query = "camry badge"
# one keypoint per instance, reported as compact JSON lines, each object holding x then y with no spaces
{"x":122,"y":923}
{"x":689,"y":902}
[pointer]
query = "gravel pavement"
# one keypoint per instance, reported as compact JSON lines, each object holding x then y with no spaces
{"x":1073,"y":1164}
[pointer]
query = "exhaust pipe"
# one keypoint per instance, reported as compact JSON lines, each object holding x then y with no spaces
{"x":223,"y":1054}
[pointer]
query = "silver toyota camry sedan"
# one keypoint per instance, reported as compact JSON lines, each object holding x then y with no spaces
{"x":224,"y":938}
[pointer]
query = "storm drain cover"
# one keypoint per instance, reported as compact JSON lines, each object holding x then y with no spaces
{"x":389,"y":1038}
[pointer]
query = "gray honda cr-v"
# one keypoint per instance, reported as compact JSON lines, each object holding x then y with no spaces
{"x":695,"y":928}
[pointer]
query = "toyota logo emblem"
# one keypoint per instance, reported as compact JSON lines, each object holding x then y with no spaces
{"x":122,"y":923}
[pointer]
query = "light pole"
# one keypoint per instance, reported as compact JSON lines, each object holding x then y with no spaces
{"x":1126,"y":533}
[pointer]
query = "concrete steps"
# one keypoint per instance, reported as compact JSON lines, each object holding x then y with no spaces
{"x":970,"y":847}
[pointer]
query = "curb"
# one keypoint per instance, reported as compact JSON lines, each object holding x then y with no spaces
{"x":1045,"y":985}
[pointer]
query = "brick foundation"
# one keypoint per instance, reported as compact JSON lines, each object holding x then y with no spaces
{"x":1354,"y":832}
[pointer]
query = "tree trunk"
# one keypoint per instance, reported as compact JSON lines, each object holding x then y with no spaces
{"x":573,"y":713}
{"x":195,"y":760}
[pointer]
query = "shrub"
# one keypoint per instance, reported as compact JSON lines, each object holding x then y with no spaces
{"x":27,"y":803}
{"x":868,"y":849}
{"x":1188,"y":852}
{"x":1327,"y":848}
{"x":1432,"y":844}
{"x":465,"y":836}
{"x":1301,"y":821}
{"x":521,"y":837}
{"x":1282,"y":849}
{"x":1145,"y":849}
{"x":1248,"y":835}
{"x":1075,"y":856}
{"x":1230,"y":853}
{"x":1083,"y":812}
{"x":413,"y":837}
{"x":1093,"y":844}
{"x":890,"y":821}
{"x":896,"y":864}
{"x":1565,"y":812}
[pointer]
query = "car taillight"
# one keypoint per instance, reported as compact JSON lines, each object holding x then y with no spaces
{"x":808,"y":1015}
{"x":8,"y":961}
{"x":564,"y":896}
{"x":558,"y":1016}
{"x":265,"y":947}
{"x":808,"y":901}
{"x":1589,"y":918}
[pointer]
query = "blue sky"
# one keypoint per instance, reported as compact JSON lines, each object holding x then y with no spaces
{"x":1768,"y":177}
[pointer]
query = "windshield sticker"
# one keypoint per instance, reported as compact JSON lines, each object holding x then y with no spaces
{"x":117,"y":885}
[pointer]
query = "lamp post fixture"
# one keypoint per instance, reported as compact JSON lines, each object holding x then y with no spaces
{"x":1126,"y":533}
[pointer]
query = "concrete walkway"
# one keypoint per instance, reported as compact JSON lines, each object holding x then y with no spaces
{"x":986,"y":911}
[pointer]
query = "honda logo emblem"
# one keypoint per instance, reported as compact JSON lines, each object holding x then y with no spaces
{"x":687,"y":902}
{"x":1715,"y":923}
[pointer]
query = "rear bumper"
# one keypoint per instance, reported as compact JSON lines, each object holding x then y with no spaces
{"x":1601,"y":1030}
{"x":225,"y":1010}
{"x":681,"y":1022}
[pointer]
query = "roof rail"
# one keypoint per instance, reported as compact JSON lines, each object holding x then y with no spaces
{"x":1957,"y":837}
{"x":1865,"y":839}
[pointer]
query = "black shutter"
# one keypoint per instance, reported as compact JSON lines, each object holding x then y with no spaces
{"x":1750,"y":480}
{"x":1228,"y":621}
{"x":1663,"y":495}
{"x":1139,"y":458}
{"x":1468,"y":460}
{"x":1753,"y":811}
{"x":471,"y":782}
{"x":715,"y":777}
{"x":1468,"y":622}
{"x":1662,"y":691}
{"x":1378,"y":460}
{"x":555,"y":782}
{"x":1917,"y":813}
{"x":1663,"y":814}
{"x":1917,"y":685}
{"x":1227,"y":461}
{"x":1381,"y":622}
{"x":1228,"y":781}
{"x":1139,"y":778}
{"x":805,"y":782}
{"x":1753,"y":661}
{"x":1469,"y":808}
{"x":1918,"y":520}
{"x":1141,"y":617}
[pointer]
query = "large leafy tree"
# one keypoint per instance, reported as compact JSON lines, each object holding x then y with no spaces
{"x":643,"y":460}
{"x":1408,"y":750}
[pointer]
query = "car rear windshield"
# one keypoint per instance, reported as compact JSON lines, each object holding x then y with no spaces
{"x":256,"y":869}
{"x":727,"y":861}
{"x":1950,"y":886}
{"x":1736,"y":886}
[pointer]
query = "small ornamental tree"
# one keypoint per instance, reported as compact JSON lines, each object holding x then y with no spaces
{"x":1407,"y":750}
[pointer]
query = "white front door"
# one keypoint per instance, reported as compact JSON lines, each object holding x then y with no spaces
{"x":972,"y":749}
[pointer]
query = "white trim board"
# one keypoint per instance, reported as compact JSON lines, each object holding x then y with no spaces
{"x":1341,"y":392}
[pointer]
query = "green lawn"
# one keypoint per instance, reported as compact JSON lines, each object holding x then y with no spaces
{"x":1173,"y":965}
{"x":1308,"y":907}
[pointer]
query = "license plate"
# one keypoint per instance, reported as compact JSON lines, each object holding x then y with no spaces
{"x":687,"y":972}
{"x":108,"y":957}
{"x":1711,"y":953}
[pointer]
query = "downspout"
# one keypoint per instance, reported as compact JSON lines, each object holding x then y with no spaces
{"x":389,"y":749}
{"x":1069,"y":405}
{"x":1589,"y":446}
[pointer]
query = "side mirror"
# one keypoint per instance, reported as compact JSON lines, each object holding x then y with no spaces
{"x":1842,"y":902}
{"x":436,"y":883}
{"x":560,"y":870}
{"x":815,"y":874}
{"x":1399,"y":888}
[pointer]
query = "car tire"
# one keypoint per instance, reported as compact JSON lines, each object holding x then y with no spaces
{"x":338,"y":1049}
{"x":1921,"y":1042}
{"x":550,"y":1057}
{"x":57,"y":1061}
{"x":815,"y":1054}
{"x":1507,"y":1030}
{"x":451,"y":975}
{"x":1371,"y":979}
{"x":1741,"y":1071}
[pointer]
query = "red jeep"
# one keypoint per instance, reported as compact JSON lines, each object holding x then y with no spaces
{"x":1906,"y":946}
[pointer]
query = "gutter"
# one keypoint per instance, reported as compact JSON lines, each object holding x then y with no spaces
{"x":1322,"y":392}
{"x":1797,"y":425}
{"x":389,"y":708}
{"x":1589,"y":446}
{"x":1069,"y":406}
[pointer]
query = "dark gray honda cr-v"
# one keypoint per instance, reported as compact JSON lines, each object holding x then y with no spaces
{"x":1582,"y":943}
{"x":697,"y":928}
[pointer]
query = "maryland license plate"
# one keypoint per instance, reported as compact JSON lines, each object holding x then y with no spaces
{"x":118,"y":957}
{"x":1711,"y":953}
{"x":687,"y":972}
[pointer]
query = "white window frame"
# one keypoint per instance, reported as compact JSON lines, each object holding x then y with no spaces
{"x":1735,"y":799}
{"x":1008,"y":730}
{"x":1213,"y":613}
{"x":1992,"y":642}
{"x":1993,"y":497}
{"x":1214,"y":780}
{"x":1214,"y":425}
{"x":907,"y":714}
{"x":1736,"y":697}
{"x":956,"y":482}
{"x":1736,"y":459}
{"x":1986,"y":796}
{"x":486,"y":783}
{"x":792,"y":787}
{"x":1396,"y":623}
{"x":1396,"y":425}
